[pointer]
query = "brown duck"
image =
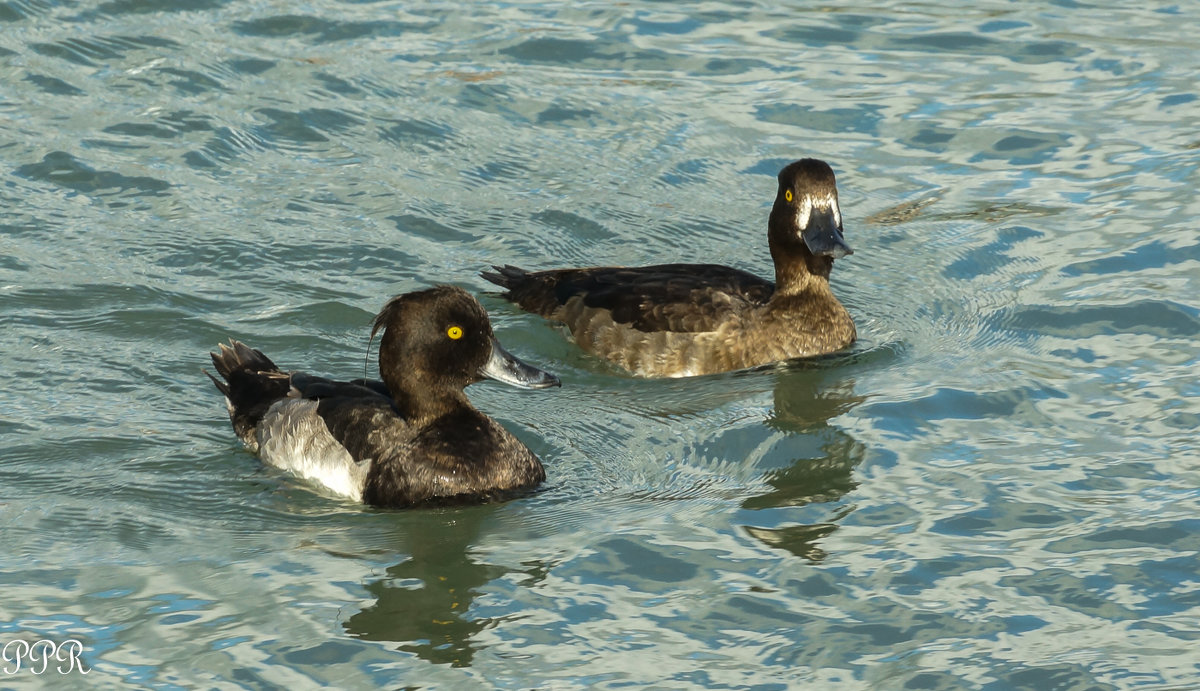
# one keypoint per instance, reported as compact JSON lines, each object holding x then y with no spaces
{"x":680,"y":320}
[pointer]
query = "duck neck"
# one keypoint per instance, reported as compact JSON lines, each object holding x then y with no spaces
{"x":797,"y":270}
{"x":419,"y":396}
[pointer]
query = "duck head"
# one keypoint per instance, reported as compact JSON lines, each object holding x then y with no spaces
{"x":806,"y":222}
{"x":440,"y":340}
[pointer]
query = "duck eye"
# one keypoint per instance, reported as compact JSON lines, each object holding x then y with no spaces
{"x":787,"y":194}
{"x":454,"y":332}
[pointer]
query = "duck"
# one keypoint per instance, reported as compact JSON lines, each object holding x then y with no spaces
{"x":411,"y":438}
{"x":681,"y":320}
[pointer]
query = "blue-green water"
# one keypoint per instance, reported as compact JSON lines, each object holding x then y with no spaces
{"x":996,"y":488}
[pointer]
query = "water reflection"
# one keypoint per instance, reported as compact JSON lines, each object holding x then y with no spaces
{"x":807,"y":397}
{"x":424,"y":602}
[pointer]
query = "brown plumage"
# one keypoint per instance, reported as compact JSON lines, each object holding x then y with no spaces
{"x":675,"y":320}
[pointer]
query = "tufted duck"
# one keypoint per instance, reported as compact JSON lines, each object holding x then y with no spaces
{"x":411,"y":439}
{"x":679,"y":320}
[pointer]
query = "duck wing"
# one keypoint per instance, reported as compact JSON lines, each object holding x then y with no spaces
{"x":666,"y":297}
{"x":360,"y":415}
{"x":314,"y":387}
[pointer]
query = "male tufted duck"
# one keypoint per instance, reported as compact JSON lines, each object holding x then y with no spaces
{"x":413,"y":438}
{"x":679,"y":320}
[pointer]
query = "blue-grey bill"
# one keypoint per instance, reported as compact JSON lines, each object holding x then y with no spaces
{"x":823,"y":236}
{"x":505,"y":367}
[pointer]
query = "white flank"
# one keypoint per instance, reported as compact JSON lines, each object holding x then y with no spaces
{"x":293,"y":437}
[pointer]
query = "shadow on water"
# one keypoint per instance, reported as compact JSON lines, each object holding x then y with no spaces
{"x":807,"y":397}
{"x":423,"y":603}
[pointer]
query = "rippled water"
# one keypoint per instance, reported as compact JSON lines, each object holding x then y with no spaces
{"x":995,"y":488}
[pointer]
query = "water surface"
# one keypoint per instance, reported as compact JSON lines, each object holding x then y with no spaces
{"x":995,"y":488}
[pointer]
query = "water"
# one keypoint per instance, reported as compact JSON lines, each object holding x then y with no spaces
{"x":995,"y":488}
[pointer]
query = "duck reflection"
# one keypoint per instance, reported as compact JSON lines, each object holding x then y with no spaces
{"x":424,"y":602}
{"x":807,"y":397}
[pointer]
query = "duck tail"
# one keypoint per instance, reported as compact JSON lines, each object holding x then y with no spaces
{"x":507,"y":276}
{"x":251,"y":384}
{"x":532,"y":291}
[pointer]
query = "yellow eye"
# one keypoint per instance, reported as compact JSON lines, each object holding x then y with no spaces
{"x":787,"y":194}
{"x":454,"y":332}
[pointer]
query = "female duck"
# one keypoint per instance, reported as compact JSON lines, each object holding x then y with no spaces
{"x":413,"y":438}
{"x":679,"y":320}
